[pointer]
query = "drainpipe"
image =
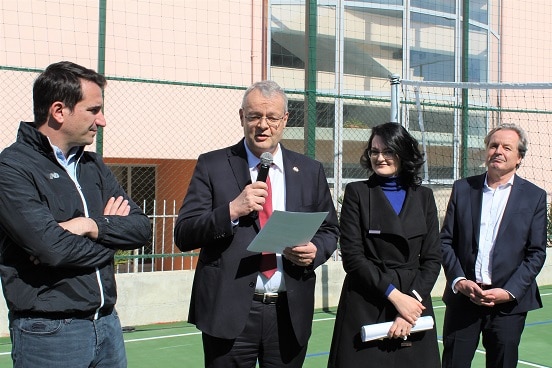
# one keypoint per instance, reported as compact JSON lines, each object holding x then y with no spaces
{"x":101,"y":66}
{"x":310,"y":77}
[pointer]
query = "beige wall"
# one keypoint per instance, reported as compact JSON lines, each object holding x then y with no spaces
{"x":203,"y":41}
{"x":526,"y":51}
{"x":526,"y":55}
{"x":215,"y":42}
{"x":207,"y":42}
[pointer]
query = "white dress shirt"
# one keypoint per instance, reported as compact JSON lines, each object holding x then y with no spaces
{"x":277,"y":182}
{"x":492,"y":209}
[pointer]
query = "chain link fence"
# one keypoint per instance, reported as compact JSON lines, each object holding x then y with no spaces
{"x":176,"y":75}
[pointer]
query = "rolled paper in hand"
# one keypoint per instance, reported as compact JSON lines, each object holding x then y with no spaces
{"x":379,"y":330}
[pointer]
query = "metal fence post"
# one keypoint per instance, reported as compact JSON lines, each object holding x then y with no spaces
{"x":395,"y":81}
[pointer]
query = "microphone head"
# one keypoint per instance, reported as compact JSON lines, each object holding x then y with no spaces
{"x":266,"y":159}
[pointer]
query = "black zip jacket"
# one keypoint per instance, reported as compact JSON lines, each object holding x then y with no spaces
{"x":75,"y":275}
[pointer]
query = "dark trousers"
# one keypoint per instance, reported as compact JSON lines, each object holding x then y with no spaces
{"x":501,"y":336}
{"x":267,"y":337}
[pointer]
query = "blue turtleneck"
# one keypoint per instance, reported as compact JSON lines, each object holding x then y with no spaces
{"x":393,"y":190}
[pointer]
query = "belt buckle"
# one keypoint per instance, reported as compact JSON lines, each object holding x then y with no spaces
{"x":270,"y":298}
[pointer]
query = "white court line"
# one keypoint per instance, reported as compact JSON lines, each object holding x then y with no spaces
{"x":519,"y":361}
{"x":163,"y":337}
{"x":315,"y":320}
{"x":199,"y":332}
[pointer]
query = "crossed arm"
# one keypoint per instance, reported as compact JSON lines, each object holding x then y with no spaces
{"x":85,"y":226}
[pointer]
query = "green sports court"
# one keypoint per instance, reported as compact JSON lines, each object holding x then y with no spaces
{"x":179,"y":344}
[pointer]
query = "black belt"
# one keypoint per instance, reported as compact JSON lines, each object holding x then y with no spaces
{"x":268,"y":298}
{"x":483,"y":286}
{"x":62,"y":315}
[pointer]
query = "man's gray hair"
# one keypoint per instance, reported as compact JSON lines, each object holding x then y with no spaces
{"x":267,"y":88}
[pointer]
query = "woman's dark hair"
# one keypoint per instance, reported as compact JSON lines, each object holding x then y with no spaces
{"x":404,"y":145}
{"x":61,"y":82}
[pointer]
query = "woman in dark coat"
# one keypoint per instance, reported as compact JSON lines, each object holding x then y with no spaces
{"x":391,"y":253}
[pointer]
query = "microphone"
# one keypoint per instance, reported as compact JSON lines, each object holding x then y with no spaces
{"x":266,"y":161}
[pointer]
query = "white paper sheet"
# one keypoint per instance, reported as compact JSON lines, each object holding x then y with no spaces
{"x":379,"y":330}
{"x":287,"y":229}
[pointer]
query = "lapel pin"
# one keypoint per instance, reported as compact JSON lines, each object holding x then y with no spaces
{"x":295,"y":169}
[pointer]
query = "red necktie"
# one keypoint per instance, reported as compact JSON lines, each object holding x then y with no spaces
{"x":268,"y":260}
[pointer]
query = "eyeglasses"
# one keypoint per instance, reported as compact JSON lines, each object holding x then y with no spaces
{"x":387,"y":154}
{"x":272,"y":121}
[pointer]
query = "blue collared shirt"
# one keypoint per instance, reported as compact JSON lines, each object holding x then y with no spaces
{"x":69,"y":163}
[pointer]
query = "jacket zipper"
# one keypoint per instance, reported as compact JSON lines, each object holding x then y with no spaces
{"x":97,"y":270}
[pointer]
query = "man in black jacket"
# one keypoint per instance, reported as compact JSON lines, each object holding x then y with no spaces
{"x":62,"y":217}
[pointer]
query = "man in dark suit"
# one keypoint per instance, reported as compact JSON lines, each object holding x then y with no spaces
{"x":244,"y":315}
{"x":494,"y":245}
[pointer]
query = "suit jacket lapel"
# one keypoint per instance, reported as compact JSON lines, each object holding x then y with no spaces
{"x":292,"y":177}
{"x":475,"y":196}
{"x":516,"y":196}
{"x":412,"y":215}
{"x":408,"y":224}
{"x":237,"y":157}
{"x":382,"y":222}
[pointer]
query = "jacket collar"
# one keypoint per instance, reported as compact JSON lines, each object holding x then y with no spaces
{"x":409,"y":223}
{"x":28,"y":134}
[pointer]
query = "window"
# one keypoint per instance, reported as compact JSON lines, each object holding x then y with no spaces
{"x":445,"y":6}
{"x":432,"y":53}
{"x":139,"y":183}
